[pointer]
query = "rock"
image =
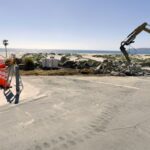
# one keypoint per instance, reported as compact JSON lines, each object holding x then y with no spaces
{"x":123,"y":65}
{"x":64,"y":59}
{"x":128,"y":72}
{"x":98,"y":69}
{"x":113,"y":73}
{"x":140,"y":74}
{"x":122,"y":74}
{"x":69,"y":64}
{"x":82,"y":64}
{"x":119,"y":68}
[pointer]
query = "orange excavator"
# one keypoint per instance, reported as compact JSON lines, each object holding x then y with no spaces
{"x":10,"y":80}
{"x":131,"y":37}
{"x":3,"y":77}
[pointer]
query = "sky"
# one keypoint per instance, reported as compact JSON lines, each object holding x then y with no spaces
{"x":72,"y":24}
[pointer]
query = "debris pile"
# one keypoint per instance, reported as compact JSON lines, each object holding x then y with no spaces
{"x":119,"y":68}
{"x":107,"y":67}
{"x":80,"y":64}
{"x":115,"y":65}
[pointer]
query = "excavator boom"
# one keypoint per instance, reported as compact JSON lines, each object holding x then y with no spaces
{"x":131,"y":37}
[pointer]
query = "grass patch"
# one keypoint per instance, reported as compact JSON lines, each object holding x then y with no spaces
{"x":60,"y":72}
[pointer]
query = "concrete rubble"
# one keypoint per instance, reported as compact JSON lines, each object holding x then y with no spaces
{"x":80,"y":64}
{"x":119,"y":68}
{"x":109,"y":67}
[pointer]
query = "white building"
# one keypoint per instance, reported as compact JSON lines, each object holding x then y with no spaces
{"x":50,"y":62}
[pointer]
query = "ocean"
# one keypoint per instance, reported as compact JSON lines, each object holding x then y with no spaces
{"x":20,"y":52}
{"x":68,"y":51}
{"x":64,"y":51}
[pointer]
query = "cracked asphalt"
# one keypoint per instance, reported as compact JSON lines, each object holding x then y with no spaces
{"x":79,"y":113}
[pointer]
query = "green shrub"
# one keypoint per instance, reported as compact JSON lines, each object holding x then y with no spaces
{"x":28,"y":63}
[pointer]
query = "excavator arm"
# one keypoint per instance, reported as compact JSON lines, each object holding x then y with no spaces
{"x":130,"y":39}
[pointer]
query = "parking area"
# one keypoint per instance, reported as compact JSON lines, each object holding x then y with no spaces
{"x":79,"y":112}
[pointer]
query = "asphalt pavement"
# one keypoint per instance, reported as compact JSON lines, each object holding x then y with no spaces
{"x":79,"y":113}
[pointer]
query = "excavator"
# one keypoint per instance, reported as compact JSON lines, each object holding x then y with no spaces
{"x":10,"y":80}
{"x":130,"y":39}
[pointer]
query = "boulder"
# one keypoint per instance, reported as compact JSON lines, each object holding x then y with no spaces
{"x":119,"y":68}
{"x":69,"y":64}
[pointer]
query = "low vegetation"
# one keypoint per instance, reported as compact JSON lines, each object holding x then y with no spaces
{"x":28,"y":63}
{"x":60,"y":72}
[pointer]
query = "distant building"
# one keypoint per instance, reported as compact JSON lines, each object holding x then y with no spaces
{"x":50,"y":63}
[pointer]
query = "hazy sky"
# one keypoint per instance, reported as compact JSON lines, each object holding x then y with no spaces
{"x":72,"y":24}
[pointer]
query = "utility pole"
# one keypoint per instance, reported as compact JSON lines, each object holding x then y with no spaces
{"x":5,"y":43}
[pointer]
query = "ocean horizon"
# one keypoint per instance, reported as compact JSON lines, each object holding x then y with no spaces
{"x":71,"y":51}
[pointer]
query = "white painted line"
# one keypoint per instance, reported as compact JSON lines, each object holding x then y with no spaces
{"x":117,"y":85}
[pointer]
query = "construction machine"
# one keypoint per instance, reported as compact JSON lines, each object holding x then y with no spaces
{"x":10,"y":80}
{"x":131,"y":37}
